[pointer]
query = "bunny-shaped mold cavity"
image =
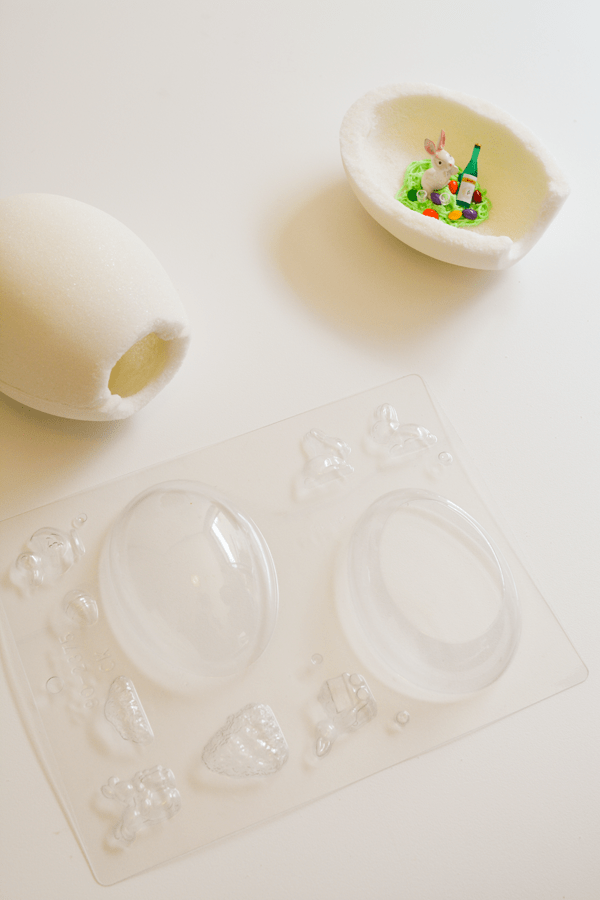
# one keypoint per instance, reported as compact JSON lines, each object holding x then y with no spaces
{"x":442,"y":168}
{"x":151,"y":796}
{"x":328,"y":459}
{"x":397,"y":438}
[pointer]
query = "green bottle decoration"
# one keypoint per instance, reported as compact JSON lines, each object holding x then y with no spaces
{"x":467,"y":180}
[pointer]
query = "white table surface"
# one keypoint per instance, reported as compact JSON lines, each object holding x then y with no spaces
{"x":211,"y":130}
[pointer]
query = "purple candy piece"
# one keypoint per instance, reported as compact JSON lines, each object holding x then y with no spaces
{"x":436,"y":198}
{"x":469,"y":213}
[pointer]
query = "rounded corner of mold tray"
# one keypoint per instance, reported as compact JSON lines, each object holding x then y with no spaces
{"x":189,"y":585}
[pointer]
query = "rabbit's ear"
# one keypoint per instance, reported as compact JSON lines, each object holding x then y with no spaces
{"x":442,"y":140}
{"x":430,"y":147}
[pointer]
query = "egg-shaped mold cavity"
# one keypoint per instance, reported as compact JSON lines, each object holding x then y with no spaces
{"x":91,"y":326}
{"x":189,"y":585}
{"x":434,"y":600}
{"x":384,"y":131}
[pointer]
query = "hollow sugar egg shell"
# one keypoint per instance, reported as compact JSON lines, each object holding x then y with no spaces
{"x":91,"y":326}
{"x":384,"y":131}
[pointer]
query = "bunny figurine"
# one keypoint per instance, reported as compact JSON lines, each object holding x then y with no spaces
{"x":442,"y":166}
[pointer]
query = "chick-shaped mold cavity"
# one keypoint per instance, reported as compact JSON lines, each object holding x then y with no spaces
{"x":91,"y":326}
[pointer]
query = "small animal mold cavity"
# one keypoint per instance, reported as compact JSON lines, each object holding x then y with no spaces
{"x":50,"y":554}
{"x":250,"y":743}
{"x":349,"y":704}
{"x":150,"y":797}
{"x":189,"y":585}
{"x":432,"y":595}
{"x":125,"y":712}
{"x":81,"y":608}
{"x":399,"y":439}
{"x":139,"y":366}
{"x":327,"y":459}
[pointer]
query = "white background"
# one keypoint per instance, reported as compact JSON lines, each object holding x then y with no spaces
{"x":211,"y":130}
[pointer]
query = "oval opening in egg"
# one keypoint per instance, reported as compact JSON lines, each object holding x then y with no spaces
{"x":141,"y":364}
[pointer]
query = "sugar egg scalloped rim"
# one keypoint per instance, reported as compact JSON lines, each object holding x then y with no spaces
{"x":384,"y":131}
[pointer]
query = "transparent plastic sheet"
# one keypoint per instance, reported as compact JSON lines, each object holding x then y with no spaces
{"x":212,"y":642}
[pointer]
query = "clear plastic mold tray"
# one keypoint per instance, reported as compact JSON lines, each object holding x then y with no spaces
{"x":209,"y":643}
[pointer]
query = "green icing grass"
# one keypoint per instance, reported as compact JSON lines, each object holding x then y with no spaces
{"x":412,"y":181}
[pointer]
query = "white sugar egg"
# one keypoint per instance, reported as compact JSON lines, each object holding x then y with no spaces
{"x":384,"y":131}
{"x":91,"y":326}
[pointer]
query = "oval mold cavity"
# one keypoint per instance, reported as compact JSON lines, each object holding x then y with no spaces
{"x":190,"y":585}
{"x":433,"y":597}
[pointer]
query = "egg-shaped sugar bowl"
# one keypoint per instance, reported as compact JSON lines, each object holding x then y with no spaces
{"x":384,"y":132}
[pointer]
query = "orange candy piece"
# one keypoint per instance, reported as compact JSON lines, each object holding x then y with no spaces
{"x":453,"y":185}
{"x":455,"y":214}
{"x":431,"y":212}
